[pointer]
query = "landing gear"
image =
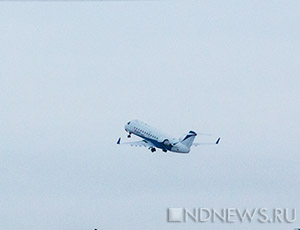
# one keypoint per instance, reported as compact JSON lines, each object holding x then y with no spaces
{"x":129,"y":135}
{"x":164,"y":150}
{"x":153,"y":150}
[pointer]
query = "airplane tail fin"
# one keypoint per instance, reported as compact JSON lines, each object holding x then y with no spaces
{"x":189,"y":139}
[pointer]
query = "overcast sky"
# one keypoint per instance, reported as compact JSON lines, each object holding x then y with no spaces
{"x":73,"y":73}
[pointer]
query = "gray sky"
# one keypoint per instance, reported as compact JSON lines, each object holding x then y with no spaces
{"x":72,"y":74}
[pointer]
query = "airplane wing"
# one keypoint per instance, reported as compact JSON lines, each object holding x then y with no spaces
{"x":142,"y":143}
{"x":211,"y":143}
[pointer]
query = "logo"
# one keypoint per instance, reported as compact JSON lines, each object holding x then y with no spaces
{"x":232,"y":215}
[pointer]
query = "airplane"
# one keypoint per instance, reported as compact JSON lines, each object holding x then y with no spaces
{"x":153,"y":138}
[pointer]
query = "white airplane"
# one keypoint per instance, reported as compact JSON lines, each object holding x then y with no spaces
{"x":153,"y":138}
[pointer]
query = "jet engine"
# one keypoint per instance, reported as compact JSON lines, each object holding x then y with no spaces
{"x":166,"y":142}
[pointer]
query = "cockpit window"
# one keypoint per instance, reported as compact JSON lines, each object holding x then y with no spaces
{"x":128,"y":123}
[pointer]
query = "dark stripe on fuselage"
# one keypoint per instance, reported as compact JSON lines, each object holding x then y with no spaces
{"x":155,"y":142}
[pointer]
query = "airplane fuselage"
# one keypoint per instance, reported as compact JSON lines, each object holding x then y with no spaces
{"x":157,"y":138}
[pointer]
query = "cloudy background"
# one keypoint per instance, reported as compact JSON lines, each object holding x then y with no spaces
{"x":73,"y":73}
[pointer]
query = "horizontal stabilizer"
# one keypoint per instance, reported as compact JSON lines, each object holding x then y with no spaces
{"x":209,"y":143}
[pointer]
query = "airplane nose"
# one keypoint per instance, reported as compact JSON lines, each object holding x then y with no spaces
{"x":127,"y":126}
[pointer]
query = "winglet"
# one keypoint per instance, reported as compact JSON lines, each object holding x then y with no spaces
{"x":217,"y":142}
{"x":119,"y":141}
